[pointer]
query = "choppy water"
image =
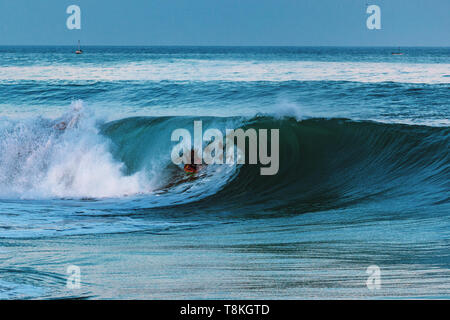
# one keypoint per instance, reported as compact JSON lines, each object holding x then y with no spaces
{"x":363,"y":179}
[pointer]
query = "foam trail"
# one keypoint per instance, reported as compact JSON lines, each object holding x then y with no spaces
{"x":229,"y":70}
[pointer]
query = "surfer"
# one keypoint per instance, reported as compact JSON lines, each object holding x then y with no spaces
{"x":192,"y":168}
{"x":189,"y":173}
{"x":68,"y":123}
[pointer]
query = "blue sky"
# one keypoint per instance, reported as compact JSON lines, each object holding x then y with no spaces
{"x":226,"y":22}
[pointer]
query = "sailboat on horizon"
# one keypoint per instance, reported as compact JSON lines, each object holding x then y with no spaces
{"x":79,"y":51}
{"x":397,"y":53}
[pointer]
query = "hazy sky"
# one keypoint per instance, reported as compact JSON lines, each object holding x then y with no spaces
{"x":226,"y":22}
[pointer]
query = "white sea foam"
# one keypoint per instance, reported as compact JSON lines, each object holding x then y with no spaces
{"x":232,"y":70}
{"x":39,"y":160}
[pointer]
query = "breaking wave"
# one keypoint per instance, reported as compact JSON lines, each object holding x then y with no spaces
{"x":324,"y":163}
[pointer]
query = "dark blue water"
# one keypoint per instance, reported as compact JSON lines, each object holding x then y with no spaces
{"x":363,"y":176}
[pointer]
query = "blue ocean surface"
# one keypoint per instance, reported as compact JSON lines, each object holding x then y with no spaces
{"x":86,"y":177}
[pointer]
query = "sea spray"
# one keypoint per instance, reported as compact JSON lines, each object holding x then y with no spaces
{"x":66,"y":157}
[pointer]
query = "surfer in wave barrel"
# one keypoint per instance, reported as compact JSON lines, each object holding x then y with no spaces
{"x":192,"y":168}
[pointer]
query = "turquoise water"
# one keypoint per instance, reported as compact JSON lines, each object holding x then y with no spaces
{"x":363,"y":178}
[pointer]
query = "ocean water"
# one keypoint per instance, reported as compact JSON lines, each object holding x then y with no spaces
{"x":363,"y":178}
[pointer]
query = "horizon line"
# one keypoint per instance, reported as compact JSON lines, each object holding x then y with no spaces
{"x":223,"y":46}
